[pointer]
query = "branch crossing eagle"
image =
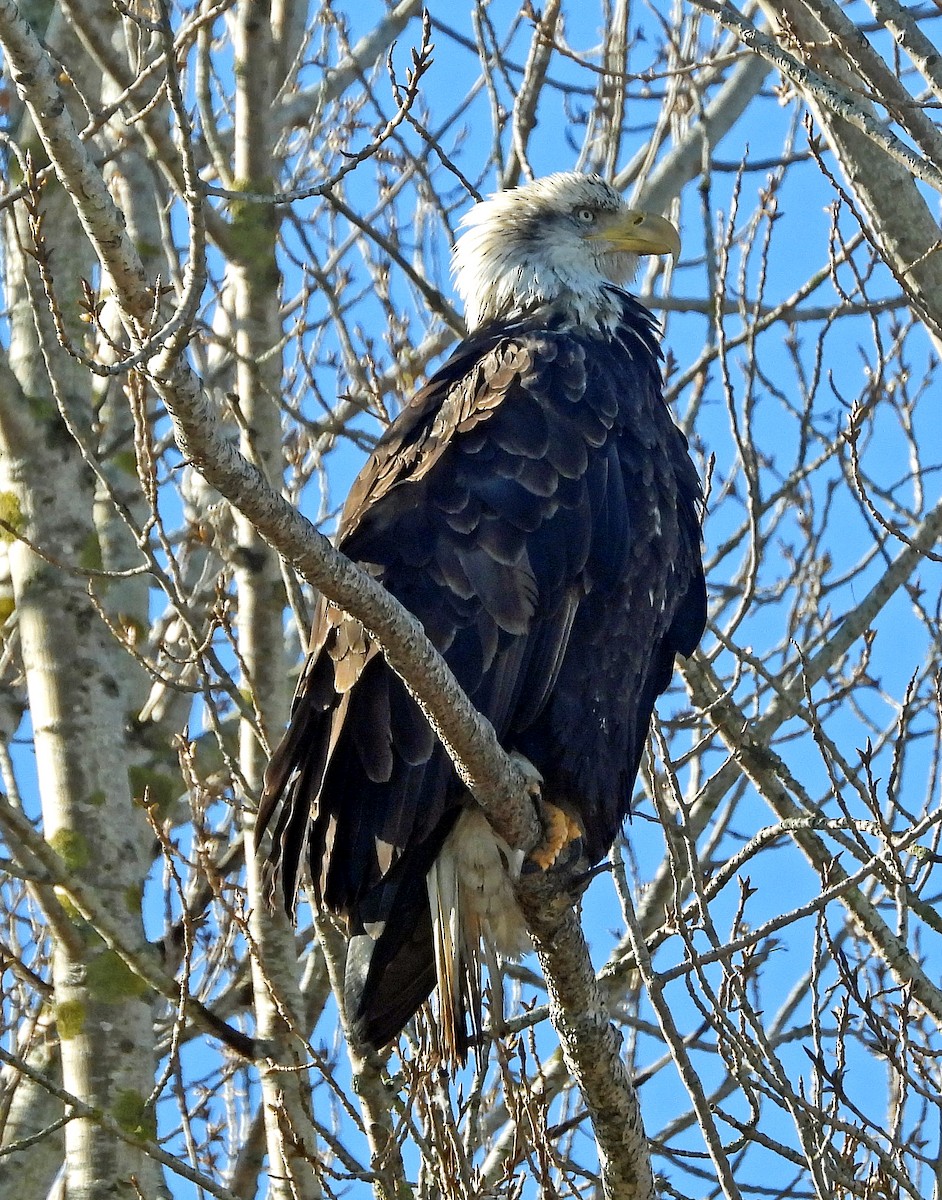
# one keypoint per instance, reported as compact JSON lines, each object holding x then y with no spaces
{"x":536,"y":508}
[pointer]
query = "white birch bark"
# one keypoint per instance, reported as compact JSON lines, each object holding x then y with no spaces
{"x":77,"y":686}
{"x":32,"y":1120}
{"x":255,"y":288}
{"x":74,"y":686}
{"x":901,"y":220}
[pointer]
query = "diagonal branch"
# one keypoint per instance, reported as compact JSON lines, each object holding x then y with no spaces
{"x":824,"y":91}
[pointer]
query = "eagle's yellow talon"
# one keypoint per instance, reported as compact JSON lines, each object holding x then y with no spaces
{"x":559,"y":831}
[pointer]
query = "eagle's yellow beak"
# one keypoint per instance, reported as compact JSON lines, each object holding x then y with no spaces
{"x":639,"y":232}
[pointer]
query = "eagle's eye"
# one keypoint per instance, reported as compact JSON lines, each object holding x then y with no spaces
{"x":585,"y":216}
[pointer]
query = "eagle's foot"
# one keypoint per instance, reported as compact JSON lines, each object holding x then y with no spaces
{"x":562,"y":840}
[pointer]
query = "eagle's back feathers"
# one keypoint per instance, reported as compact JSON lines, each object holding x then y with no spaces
{"x":535,"y":507}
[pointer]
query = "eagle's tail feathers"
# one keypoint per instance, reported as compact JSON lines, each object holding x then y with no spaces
{"x":475,"y":920}
{"x":457,"y":937}
{"x":443,"y":901}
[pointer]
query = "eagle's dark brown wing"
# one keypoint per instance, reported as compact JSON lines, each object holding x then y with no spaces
{"x":536,"y":508}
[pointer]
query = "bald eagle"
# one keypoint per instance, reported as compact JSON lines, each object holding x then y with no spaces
{"x":537,"y":510}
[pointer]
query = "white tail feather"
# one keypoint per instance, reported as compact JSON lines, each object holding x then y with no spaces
{"x":472,"y":903}
{"x":443,"y":899}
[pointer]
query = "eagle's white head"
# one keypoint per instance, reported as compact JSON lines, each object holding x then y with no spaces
{"x":554,"y":243}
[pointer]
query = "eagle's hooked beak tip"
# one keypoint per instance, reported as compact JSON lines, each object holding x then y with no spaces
{"x":637,"y":232}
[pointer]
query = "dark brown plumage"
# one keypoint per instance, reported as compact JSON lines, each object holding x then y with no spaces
{"x":536,"y":508}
